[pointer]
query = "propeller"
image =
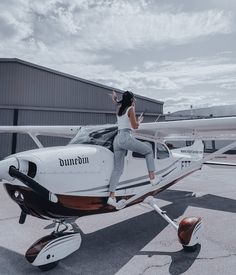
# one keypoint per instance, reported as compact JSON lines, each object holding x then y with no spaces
{"x":34,"y":185}
{"x":9,"y":171}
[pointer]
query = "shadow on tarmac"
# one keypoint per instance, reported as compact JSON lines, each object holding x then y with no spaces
{"x":107,"y":250}
{"x":207,"y":201}
{"x":181,"y":261}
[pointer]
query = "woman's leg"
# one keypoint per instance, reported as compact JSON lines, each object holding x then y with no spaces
{"x":119,"y":155}
{"x":140,"y":147}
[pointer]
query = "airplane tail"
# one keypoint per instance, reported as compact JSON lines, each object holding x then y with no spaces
{"x":195,"y":151}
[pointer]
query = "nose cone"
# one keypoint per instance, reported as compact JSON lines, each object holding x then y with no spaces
{"x":4,"y":168}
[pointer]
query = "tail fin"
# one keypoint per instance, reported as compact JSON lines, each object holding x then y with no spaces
{"x":195,"y":151}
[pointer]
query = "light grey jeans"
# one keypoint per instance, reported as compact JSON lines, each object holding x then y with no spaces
{"x":125,"y":141}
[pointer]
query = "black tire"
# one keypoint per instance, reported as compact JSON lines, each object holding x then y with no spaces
{"x":190,"y":248}
{"x":47,"y":267}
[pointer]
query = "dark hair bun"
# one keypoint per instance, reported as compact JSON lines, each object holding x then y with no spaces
{"x":128,"y":95}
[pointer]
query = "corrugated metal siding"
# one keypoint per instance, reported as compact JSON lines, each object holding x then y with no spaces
{"x":28,"y":86}
{"x":6,"y":118}
{"x":33,"y":117}
{"x":149,"y":118}
{"x":148,"y":106}
{"x":110,"y":118}
{"x":32,"y":87}
{"x":24,"y":142}
{"x":7,"y":85}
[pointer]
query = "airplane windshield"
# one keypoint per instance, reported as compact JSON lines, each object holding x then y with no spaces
{"x":96,"y":136}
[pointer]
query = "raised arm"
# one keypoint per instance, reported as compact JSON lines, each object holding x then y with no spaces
{"x":132,"y":117}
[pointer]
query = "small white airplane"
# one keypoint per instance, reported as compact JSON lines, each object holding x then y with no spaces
{"x":66,"y":182}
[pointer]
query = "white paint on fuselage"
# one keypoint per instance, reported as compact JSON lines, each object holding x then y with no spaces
{"x":82,"y":169}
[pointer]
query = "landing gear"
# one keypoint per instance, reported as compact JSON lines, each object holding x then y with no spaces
{"x":188,"y":230}
{"x":47,"y":251}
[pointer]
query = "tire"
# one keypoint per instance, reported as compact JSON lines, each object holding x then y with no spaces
{"x":47,"y":267}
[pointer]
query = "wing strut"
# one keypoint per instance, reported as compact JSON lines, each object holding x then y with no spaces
{"x":36,"y":140}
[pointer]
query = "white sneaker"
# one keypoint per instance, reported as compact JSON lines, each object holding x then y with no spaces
{"x":112,"y":201}
{"x":121,"y":204}
{"x":156,"y":180}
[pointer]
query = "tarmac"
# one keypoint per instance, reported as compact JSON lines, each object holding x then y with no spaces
{"x":137,"y":240}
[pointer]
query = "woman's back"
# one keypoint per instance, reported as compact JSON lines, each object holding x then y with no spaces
{"x":124,"y":121}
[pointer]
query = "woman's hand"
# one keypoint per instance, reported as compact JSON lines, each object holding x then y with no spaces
{"x":114,"y":96}
{"x":140,"y":119}
{"x":132,"y":117}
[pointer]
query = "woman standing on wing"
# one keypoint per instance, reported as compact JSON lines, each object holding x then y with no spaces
{"x":124,"y":141}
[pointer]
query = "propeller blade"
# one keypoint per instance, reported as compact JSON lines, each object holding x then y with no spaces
{"x":22,"y":217}
{"x":34,"y":185}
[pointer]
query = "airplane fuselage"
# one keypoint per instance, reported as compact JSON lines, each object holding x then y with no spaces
{"x":79,"y":175}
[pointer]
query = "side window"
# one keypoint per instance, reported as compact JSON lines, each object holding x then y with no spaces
{"x":162,"y":152}
{"x":149,"y":143}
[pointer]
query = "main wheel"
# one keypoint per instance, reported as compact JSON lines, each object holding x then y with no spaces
{"x":47,"y":267}
{"x":189,"y":233}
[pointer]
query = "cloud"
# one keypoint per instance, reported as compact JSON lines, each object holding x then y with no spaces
{"x":175,"y":75}
{"x":84,"y":38}
{"x":191,"y":81}
{"x":108,"y":25}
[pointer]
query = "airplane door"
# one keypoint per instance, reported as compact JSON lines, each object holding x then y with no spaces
{"x":163,"y":157}
{"x":135,"y":164}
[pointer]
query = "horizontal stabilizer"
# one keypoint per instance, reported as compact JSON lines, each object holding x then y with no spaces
{"x":193,"y":152}
{"x":216,"y":164}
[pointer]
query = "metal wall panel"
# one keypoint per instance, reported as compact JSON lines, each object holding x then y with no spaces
{"x":26,"y":85}
{"x":148,"y":106}
{"x":45,"y":97}
{"x":6,"y":118}
{"x":149,"y":118}
{"x":37,"y":117}
{"x":110,"y":118}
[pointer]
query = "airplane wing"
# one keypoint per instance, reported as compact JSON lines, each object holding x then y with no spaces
{"x":60,"y":131}
{"x":205,"y":129}
{"x":66,"y":131}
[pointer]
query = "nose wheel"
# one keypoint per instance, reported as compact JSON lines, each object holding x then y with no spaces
{"x":49,"y":250}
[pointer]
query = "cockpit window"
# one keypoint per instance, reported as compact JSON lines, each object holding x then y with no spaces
{"x":162,"y":152}
{"x":96,"y":136}
{"x":149,"y":143}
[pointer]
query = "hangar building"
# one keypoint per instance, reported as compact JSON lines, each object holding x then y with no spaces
{"x":34,"y":95}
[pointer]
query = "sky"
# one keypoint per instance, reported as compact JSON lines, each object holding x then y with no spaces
{"x":181,"y":52}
